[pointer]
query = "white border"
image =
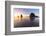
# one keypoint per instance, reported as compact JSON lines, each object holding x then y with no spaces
{"x":26,"y":28}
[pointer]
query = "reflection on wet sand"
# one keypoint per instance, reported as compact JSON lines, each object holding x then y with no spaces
{"x":26,"y":21}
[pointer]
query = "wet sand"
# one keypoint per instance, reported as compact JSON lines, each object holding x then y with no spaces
{"x":26,"y":22}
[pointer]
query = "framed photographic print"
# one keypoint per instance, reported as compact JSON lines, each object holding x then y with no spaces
{"x":24,"y":17}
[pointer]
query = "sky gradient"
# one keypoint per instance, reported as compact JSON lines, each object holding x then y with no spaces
{"x":25,"y":11}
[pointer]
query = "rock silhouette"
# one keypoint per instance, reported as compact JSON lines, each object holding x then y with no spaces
{"x":18,"y":16}
{"x":32,"y":16}
{"x":21,"y":16}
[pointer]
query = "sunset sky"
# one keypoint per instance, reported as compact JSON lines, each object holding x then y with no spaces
{"x":25,"y":11}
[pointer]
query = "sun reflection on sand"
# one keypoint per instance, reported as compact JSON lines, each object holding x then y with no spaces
{"x":19,"y":18}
